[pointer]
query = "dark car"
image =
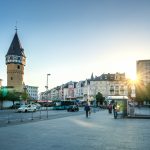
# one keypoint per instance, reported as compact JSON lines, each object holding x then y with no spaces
{"x":73,"y":108}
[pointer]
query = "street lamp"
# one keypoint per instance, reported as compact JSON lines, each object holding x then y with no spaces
{"x":47,"y":82}
{"x":47,"y":92}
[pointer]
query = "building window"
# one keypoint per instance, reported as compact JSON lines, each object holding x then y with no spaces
{"x":11,"y":78}
{"x":18,"y":67}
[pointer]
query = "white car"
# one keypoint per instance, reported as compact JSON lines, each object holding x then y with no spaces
{"x":27,"y":108}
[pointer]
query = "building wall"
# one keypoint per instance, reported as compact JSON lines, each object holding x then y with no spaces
{"x":83,"y":90}
{"x":143,"y":71}
{"x":79,"y":90}
{"x":15,"y":74}
{"x":32,"y":91}
{"x":108,"y":88}
{"x":65,"y":93}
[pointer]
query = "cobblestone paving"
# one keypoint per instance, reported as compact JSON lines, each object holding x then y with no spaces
{"x":98,"y":132}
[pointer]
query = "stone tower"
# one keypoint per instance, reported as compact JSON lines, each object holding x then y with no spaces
{"x":15,"y":61}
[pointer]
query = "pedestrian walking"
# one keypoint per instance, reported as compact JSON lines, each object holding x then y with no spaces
{"x":87,"y":110}
{"x":110,"y":108}
{"x":115,"y":110}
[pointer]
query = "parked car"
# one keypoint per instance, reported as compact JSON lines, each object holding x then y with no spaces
{"x":73,"y":108}
{"x":37,"y":105}
{"x":27,"y":108}
{"x":16,"y":106}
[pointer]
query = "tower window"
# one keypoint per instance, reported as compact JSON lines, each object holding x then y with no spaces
{"x":18,"y":67}
{"x":11,"y":78}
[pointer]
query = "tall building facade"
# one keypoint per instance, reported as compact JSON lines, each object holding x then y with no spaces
{"x":143,"y":71}
{"x":15,"y":61}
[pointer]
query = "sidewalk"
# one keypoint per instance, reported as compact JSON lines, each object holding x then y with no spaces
{"x":98,"y":132}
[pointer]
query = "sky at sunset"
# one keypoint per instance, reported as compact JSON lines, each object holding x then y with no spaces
{"x":71,"y":39}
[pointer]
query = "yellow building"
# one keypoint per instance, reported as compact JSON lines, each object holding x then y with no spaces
{"x":15,"y":61}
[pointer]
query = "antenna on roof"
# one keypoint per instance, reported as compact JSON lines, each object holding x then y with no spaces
{"x":16,"y":27}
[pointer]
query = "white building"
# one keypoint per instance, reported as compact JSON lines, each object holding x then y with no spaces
{"x":69,"y":90}
{"x":55,"y":93}
{"x":79,"y":90}
{"x":32,"y":91}
{"x":106,"y":84}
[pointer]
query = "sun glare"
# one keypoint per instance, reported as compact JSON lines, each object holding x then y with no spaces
{"x":133,"y":77}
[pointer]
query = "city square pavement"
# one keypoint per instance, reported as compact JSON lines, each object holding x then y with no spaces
{"x":98,"y":132}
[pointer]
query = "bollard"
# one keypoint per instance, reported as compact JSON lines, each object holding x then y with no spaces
{"x":40,"y":113}
{"x":32,"y":116}
{"x":21,"y":118}
{"x":8,"y":121}
{"x":47,"y":112}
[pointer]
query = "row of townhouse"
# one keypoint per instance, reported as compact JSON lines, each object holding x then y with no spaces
{"x":107,"y":84}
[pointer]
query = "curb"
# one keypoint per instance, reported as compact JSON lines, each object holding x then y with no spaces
{"x":139,"y":117}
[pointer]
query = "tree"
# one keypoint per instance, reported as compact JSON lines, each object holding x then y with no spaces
{"x":13,"y":96}
{"x":140,"y":92}
{"x":148,"y":92}
{"x":99,"y":98}
{"x":1,"y":98}
{"x":25,"y":96}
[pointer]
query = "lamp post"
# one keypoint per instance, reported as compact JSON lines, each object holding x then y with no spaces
{"x":47,"y":93}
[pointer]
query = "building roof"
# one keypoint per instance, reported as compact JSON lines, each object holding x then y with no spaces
{"x":15,"y":47}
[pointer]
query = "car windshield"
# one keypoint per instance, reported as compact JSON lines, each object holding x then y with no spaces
{"x":22,"y":106}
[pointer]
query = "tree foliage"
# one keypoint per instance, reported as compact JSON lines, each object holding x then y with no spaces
{"x":25,"y":96}
{"x":148,"y":92}
{"x":142,"y":92}
{"x":11,"y":95}
{"x":99,"y":98}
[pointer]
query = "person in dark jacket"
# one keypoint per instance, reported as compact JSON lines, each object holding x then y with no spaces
{"x":87,"y":110}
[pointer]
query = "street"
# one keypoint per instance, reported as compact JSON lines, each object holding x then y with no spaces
{"x":98,"y":132}
{"x":9,"y":117}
